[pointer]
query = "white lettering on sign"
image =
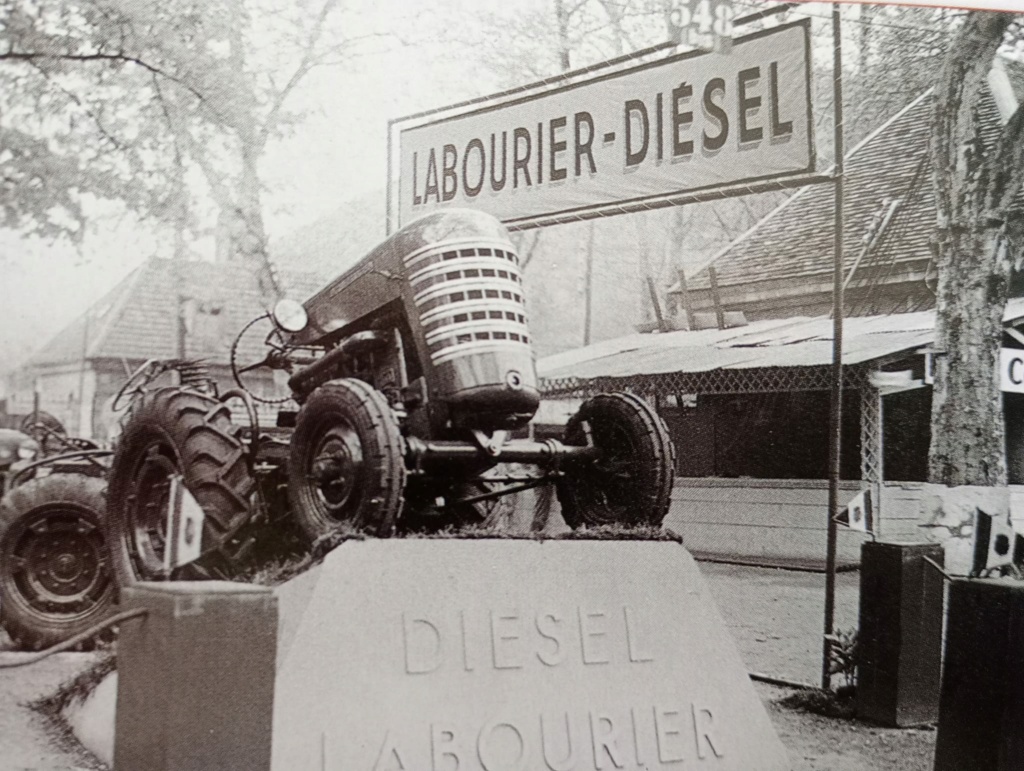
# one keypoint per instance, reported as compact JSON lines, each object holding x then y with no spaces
{"x":595,"y":739}
{"x":1011,"y":370}
{"x":518,"y":640}
{"x":693,"y":121}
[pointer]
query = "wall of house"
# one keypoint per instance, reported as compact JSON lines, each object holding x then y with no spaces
{"x":65,"y":391}
{"x":781,"y":520}
{"x":781,"y":435}
{"x":111,"y":376}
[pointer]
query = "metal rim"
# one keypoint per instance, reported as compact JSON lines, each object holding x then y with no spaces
{"x":613,"y":479}
{"x":336,"y":468}
{"x":57,"y":561}
{"x":146,"y":505}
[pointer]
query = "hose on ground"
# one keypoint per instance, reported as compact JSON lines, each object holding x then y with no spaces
{"x":78,"y":639}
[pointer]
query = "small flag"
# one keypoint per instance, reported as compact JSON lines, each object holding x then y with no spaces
{"x":996,"y":543}
{"x":858,"y":514}
{"x":184,"y":527}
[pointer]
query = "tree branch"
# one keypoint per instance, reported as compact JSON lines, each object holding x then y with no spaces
{"x":954,"y":128}
{"x":99,"y":56}
{"x":75,"y":98}
{"x":218,"y":189}
{"x":1008,"y":164}
{"x":307,"y":63}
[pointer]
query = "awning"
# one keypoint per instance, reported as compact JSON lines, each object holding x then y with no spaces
{"x":796,"y":342}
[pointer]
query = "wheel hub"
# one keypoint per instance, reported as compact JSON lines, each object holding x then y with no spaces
{"x":148,"y":508}
{"x":60,"y":562}
{"x":335,"y":468}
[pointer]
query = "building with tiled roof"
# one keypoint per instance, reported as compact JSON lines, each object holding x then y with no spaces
{"x":782,"y":266}
{"x":82,"y":367}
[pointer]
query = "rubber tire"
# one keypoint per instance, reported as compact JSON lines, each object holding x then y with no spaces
{"x":582,"y":492}
{"x":33,"y":628}
{"x":381,"y":479}
{"x":210,"y":456}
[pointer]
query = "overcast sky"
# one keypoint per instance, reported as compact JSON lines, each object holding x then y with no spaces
{"x":337,"y":154}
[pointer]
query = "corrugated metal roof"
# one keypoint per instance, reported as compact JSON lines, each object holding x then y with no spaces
{"x":801,"y":342}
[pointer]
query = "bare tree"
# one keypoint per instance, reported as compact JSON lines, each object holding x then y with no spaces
{"x":978,"y":181}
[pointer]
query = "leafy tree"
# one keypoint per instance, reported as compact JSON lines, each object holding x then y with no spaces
{"x":137,"y":100}
{"x":978,"y":186}
{"x":72,"y":124}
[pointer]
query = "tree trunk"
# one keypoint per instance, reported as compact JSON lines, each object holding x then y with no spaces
{"x":967,"y":446}
{"x":975,"y":183}
{"x":562,"y":17}
{"x":251,"y":247}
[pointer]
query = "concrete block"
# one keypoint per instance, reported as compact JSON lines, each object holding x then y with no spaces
{"x":493,"y":655}
{"x":195,"y":684}
{"x":900,"y":634}
{"x":981,"y":709}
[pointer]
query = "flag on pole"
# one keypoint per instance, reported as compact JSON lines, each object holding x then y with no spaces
{"x":184,"y":526}
{"x":996,"y":543}
{"x":858,"y":514}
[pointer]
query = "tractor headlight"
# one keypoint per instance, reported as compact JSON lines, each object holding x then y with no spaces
{"x":27,"y":451}
{"x":290,"y":316}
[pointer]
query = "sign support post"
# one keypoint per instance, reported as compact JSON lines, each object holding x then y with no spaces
{"x":836,"y":403}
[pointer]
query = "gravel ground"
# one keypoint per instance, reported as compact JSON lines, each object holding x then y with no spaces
{"x":27,"y":742}
{"x":774,"y":615}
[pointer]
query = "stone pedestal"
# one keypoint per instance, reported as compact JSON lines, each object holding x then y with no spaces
{"x":196,"y":678}
{"x":981,"y":712}
{"x":900,"y":635}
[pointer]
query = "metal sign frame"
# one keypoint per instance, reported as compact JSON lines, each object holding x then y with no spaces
{"x":620,"y":66}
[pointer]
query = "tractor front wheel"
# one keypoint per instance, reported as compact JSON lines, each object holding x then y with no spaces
{"x":175,"y":431}
{"x":54,"y":572}
{"x":346,"y":465}
{"x":631,"y":482}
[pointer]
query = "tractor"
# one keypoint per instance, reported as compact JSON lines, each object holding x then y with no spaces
{"x":412,"y":385}
{"x":54,"y":576}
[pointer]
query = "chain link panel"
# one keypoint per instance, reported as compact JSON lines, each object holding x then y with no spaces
{"x":717,"y":381}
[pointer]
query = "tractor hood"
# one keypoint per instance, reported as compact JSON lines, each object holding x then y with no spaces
{"x":380,"y":277}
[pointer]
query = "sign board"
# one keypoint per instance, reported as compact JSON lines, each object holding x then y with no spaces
{"x":690,"y":122}
{"x":1013,"y":6}
{"x":184,"y":526}
{"x":703,"y":24}
{"x":1011,"y":370}
{"x":508,"y":655}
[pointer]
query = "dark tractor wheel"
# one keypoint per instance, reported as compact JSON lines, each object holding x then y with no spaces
{"x":631,"y":482}
{"x":346,"y":465}
{"x":173,"y":431}
{"x":54,"y":572}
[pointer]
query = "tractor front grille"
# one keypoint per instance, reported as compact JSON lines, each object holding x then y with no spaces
{"x":469,"y":300}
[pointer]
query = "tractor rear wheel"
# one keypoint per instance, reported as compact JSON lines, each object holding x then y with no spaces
{"x":346,"y":465}
{"x":174,"y":431}
{"x":631,"y":482}
{"x":54,"y":572}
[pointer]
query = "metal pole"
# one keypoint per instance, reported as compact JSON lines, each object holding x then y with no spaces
{"x":388,"y":204}
{"x":588,"y":287}
{"x":81,"y":376}
{"x":716,"y":297}
{"x":836,"y":402}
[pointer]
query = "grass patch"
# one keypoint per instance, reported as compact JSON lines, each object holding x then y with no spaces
{"x":74,"y":690}
{"x":841,"y":703}
{"x":77,"y":688}
{"x":282,"y":568}
{"x":600,"y":533}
